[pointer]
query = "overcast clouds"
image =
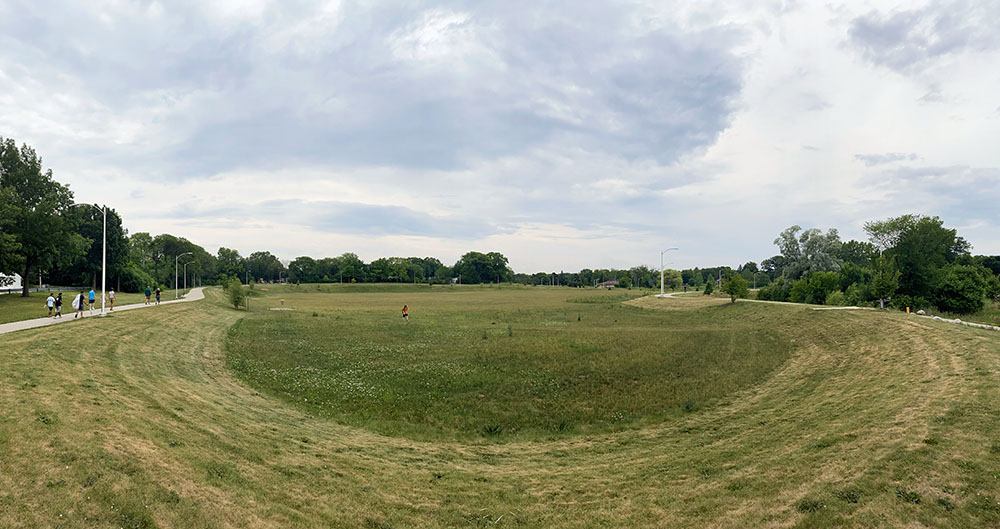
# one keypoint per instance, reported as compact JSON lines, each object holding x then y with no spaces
{"x":563,"y":134}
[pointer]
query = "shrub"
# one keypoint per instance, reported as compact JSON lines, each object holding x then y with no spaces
{"x":709,"y":288}
{"x":960,"y":289}
{"x":836,"y":298}
{"x":236,"y":295}
{"x":901,"y":301}
{"x":735,"y":286}
{"x":134,"y":279}
{"x":799,"y":291}
{"x":858,"y":294}
{"x":776,"y":291}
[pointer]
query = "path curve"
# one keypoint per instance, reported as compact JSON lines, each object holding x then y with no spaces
{"x":194,"y":295}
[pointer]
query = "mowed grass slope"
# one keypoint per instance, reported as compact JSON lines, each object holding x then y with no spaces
{"x":875,"y":420}
{"x":497,"y":362}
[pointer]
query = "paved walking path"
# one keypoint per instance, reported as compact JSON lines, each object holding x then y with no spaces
{"x":194,"y":295}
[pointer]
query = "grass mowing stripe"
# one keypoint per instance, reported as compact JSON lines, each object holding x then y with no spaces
{"x":154,"y":422}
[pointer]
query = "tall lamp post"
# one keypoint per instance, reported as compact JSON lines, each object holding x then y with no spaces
{"x":176,"y":257}
{"x":661,"y":268}
{"x":186,"y":274}
{"x":104,"y":247}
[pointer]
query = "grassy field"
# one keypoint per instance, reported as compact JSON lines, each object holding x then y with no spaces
{"x":990,"y":314}
{"x":498,"y":363}
{"x":872,"y":420}
{"x":15,"y":308}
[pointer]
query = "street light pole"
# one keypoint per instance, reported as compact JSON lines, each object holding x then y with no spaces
{"x":186,"y":274}
{"x":661,"y":268}
{"x":176,"y":257}
{"x":104,"y":249}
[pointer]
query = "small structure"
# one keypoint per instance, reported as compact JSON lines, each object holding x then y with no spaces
{"x":608,"y":284}
{"x":11,"y":287}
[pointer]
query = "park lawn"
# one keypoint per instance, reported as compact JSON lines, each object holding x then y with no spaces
{"x":496,"y":362}
{"x":990,"y":314}
{"x":15,"y":308}
{"x":874,"y":420}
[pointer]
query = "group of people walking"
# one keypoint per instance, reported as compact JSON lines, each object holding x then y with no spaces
{"x":80,"y":303}
{"x":84,"y":300}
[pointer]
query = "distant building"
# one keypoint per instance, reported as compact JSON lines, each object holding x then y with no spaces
{"x":608,"y":284}
{"x":16,"y":285}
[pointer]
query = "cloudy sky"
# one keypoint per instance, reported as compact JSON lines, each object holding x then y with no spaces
{"x":563,"y":134}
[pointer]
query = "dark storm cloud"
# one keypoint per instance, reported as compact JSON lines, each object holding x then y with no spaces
{"x":417,"y":86}
{"x":907,"y":41}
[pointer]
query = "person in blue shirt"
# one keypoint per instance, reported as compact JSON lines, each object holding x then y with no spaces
{"x":93,"y":298}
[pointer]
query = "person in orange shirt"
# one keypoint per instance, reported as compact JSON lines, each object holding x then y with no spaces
{"x":406,"y":314}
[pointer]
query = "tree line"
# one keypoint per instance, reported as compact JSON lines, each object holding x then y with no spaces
{"x":908,"y":261}
{"x":45,"y":235}
{"x":911,"y":261}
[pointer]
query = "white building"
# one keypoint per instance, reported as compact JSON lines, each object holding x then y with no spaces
{"x":15,"y":285}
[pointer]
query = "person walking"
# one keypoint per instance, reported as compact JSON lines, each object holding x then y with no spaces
{"x":78,"y":302}
{"x":157,"y":295}
{"x":93,"y":299}
{"x":406,"y":314}
{"x":50,"y":302}
{"x":149,"y":292}
{"x":58,"y":306}
{"x":111,"y":298}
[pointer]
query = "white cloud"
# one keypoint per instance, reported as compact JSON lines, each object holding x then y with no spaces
{"x":564,"y":141}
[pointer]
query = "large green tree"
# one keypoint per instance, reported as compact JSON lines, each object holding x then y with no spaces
{"x":8,"y":243}
{"x":810,"y":251}
{"x":264,"y":266}
{"x":885,"y":282}
{"x":921,"y":246}
{"x":230,"y":263}
{"x":85,"y":269}
{"x":40,"y":236}
{"x":303,"y":269}
{"x":477,"y":267}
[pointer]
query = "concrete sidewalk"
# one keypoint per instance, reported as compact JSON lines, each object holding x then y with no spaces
{"x":194,"y":295}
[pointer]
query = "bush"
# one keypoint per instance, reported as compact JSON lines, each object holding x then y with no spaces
{"x":735,"y":286}
{"x":709,"y":288}
{"x":236,"y":294}
{"x":901,"y":301}
{"x":836,"y":299}
{"x":960,"y":289}
{"x":776,"y":291}
{"x":858,"y":295}
{"x":799,"y":291}
{"x":814,"y":288}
